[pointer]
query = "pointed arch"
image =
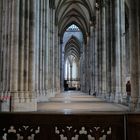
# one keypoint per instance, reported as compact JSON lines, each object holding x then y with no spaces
{"x":72,"y":47}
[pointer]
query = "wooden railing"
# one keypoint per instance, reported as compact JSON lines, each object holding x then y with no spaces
{"x":94,"y":126}
{"x":133,"y":126}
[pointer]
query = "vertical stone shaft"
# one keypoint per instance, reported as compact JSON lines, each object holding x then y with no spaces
{"x":22,"y":49}
{"x":14,"y":53}
{"x":1,"y":45}
{"x":118,"y":49}
{"x":41,"y":48}
{"x":108,"y":29}
{"x":138,"y":27}
{"x":96,"y":51}
{"x":37,"y":46}
{"x":26,"y":51}
{"x":49,"y":51}
{"x":32,"y":49}
{"x":123,"y":50}
{"x":94,"y":60}
{"x":113,"y":63}
{"x":70,"y":75}
{"x":53,"y":53}
{"x":104,"y":63}
{"x":134,"y":55}
{"x":9,"y":43}
{"x":5,"y":45}
{"x":91,"y":56}
{"x":99,"y":53}
{"x":44,"y":47}
{"x":47,"y":45}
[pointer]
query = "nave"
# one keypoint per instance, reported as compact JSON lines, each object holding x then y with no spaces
{"x":49,"y":46}
{"x":78,"y":102}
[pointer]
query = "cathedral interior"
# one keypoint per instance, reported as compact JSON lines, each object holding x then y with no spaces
{"x":69,"y":69}
{"x":48,"y":47}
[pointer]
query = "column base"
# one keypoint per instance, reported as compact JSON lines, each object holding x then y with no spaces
{"x":118,"y":97}
{"x":26,"y":106}
{"x":5,"y":106}
{"x":43,"y":98}
{"x":138,"y":105}
{"x":134,"y":104}
{"x":109,"y":97}
{"x":23,"y":101}
{"x":5,"y":101}
{"x":46,"y":95}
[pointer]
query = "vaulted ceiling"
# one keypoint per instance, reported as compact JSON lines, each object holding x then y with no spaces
{"x":78,"y":12}
{"x":72,"y":48}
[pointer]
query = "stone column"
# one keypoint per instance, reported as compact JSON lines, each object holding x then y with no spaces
{"x":94,"y":59}
{"x":118,"y":50}
{"x":43,"y":32}
{"x":87,"y":70}
{"x":83,"y":69}
{"x":62,"y":64}
{"x":91,"y":56}
{"x":96,"y":53}
{"x":41,"y":48}
{"x":59,"y":63}
{"x":47,"y":47}
{"x":49,"y":22}
{"x":112,"y":75}
{"x":70,"y":74}
{"x":123,"y":49}
{"x":104,"y":49}
{"x":67,"y":70}
{"x":21,"y":52}
{"x":138,"y":26}
{"x":108,"y":31}
{"x":78,"y":70}
{"x":4,"y":46}
{"x":14,"y":54}
{"x":37,"y":47}
{"x":9,"y":22}
{"x":26,"y":51}
{"x":32,"y":51}
{"x":1,"y":48}
{"x":99,"y":54}
{"x":57,"y":60}
{"x":134,"y":54}
{"x":53,"y":53}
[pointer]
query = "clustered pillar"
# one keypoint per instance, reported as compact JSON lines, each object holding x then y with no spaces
{"x":104,"y":54}
{"x":29,"y":53}
{"x":134,"y":22}
{"x":31,"y":66}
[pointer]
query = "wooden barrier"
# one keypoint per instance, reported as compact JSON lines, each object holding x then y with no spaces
{"x":133,"y":126}
{"x":94,"y":126}
{"x":41,"y":126}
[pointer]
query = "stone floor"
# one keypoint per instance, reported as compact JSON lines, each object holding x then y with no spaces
{"x":77,"y":102}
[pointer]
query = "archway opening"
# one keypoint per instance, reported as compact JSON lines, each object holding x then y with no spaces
{"x":71,"y":52}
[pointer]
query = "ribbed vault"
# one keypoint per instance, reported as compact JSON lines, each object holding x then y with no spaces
{"x":78,"y":12}
{"x":72,"y":48}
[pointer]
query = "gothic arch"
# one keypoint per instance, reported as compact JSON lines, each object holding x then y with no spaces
{"x":73,"y":48}
{"x":78,"y":12}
